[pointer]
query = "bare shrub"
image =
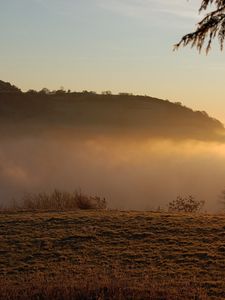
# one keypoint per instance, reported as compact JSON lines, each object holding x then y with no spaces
{"x":85,"y":202}
{"x":186,"y":204}
{"x":60,"y":200}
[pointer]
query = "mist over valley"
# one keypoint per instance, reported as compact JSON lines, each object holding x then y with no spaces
{"x":136,"y":151}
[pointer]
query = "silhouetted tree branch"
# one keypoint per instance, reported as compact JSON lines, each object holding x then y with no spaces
{"x":211,"y":26}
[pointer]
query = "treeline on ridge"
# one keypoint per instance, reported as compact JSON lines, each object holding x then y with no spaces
{"x":105,"y":113}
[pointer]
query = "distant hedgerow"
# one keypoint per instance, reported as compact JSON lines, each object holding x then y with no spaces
{"x":59,"y":200}
{"x":186,"y":204}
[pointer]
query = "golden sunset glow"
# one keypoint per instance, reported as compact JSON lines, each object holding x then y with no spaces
{"x":112,"y":150}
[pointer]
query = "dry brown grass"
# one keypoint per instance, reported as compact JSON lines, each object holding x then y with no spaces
{"x":87,"y":251}
{"x":97,"y":286}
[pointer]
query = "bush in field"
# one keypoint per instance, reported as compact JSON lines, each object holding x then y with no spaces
{"x":186,"y":204}
{"x":59,"y":200}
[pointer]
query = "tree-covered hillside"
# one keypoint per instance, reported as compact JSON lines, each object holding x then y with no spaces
{"x":92,"y":113}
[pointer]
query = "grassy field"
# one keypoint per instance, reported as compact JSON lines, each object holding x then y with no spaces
{"x":162,"y":255}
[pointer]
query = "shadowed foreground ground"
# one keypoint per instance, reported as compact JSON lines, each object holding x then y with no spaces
{"x":111,"y":255}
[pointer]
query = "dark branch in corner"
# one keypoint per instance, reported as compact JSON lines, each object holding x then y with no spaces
{"x":210,"y":27}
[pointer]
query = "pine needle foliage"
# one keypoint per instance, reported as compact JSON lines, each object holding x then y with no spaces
{"x":211,"y":26}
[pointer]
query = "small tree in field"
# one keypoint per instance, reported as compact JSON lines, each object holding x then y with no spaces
{"x":186,"y":204}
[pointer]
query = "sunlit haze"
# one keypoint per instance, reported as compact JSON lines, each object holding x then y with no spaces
{"x":112,"y":149}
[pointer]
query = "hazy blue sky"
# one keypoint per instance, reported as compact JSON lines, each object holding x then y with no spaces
{"x":117,"y":45}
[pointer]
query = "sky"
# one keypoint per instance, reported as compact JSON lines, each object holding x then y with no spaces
{"x":117,"y":45}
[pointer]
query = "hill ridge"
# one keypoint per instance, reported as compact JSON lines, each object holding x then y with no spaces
{"x":107,"y":113}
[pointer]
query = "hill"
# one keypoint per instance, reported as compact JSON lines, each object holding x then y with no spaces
{"x":92,"y":113}
{"x":6,"y":87}
{"x":102,"y":248}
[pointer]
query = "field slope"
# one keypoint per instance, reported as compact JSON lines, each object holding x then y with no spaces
{"x":157,"y":245}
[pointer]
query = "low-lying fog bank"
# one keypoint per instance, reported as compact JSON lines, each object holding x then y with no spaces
{"x":138,"y":174}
